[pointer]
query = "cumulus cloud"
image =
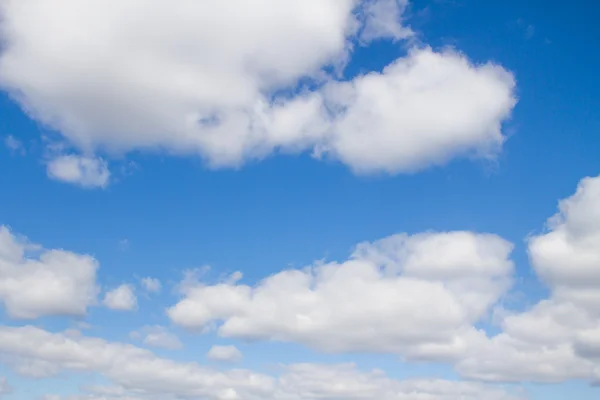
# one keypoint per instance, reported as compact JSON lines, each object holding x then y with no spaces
{"x":197,"y":78}
{"x":421,"y":110}
{"x":122,"y":298}
{"x":229,"y":354}
{"x":151,"y":285}
{"x":35,"y":282}
{"x":87,"y":172}
{"x":455,"y":276}
{"x":567,"y":258}
{"x":158,"y":336}
{"x":557,"y":339}
{"x":148,"y":376}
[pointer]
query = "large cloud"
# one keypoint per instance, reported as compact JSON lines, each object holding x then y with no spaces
{"x":202,"y":77}
{"x":139,"y":374}
{"x":54,"y":282}
{"x":558,"y":338}
{"x":404,"y":294}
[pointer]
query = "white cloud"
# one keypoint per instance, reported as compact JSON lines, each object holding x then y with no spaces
{"x":14,"y":144}
{"x":309,"y":381}
{"x":196,"y":78}
{"x":229,"y":354}
{"x":557,"y":339}
{"x":149,"y":376}
{"x":51,"y":282}
{"x":383,"y":19}
{"x":422,"y":110}
{"x":455,"y":276}
{"x":87,"y":172}
{"x":122,"y":298}
{"x":158,"y":336}
{"x":151,"y":285}
{"x":567,"y":258}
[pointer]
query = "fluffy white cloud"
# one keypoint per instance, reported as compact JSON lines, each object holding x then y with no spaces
{"x":229,"y":354}
{"x":151,"y":285}
{"x":568,"y":257}
{"x":149,"y":376}
{"x":35,"y":282}
{"x":122,"y":298}
{"x":557,"y":339}
{"x":87,"y":172}
{"x":421,"y":110}
{"x":158,"y":336}
{"x":454,"y":276}
{"x":197,"y":77}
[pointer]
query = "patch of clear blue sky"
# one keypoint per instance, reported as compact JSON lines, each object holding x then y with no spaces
{"x":291,"y":210}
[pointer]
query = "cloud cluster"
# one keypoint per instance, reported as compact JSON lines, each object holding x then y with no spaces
{"x":35,"y":282}
{"x":403,"y":294}
{"x":558,"y":338}
{"x":139,"y":374}
{"x":422,"y":297}
{"x":198,"y":78}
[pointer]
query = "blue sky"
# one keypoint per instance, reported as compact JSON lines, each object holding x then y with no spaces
{"x":100,"y":159}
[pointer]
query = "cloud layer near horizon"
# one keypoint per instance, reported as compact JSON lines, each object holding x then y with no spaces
{"x":459,"y":278}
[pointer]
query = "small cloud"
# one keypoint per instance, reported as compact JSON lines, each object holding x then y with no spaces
{"x":191,"y":278}
{"x":123,"y":244}
{"x":152,"y":285}
{"x":228,"y":354}
{"x":234,"y":278}
{"x":529,"y":31}
{"x":157,"y":336}
{"x":121,"y":299}
{"x":87,"y":172}
{"x":14,"y":145}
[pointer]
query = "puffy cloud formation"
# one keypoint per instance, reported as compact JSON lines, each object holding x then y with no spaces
{"x":122,"y":298}
{"x":206,"y":78}
{"x":35,"y":282}
{"x":139,"y":374}
{"x":423,"y":109}
{"x":422,"y":296}
{"x":418,"y":296}
{"x":558,"y":338}
{"x":568,"y":257}
{"x":87,"y":172}
{"x":229,"y":354}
